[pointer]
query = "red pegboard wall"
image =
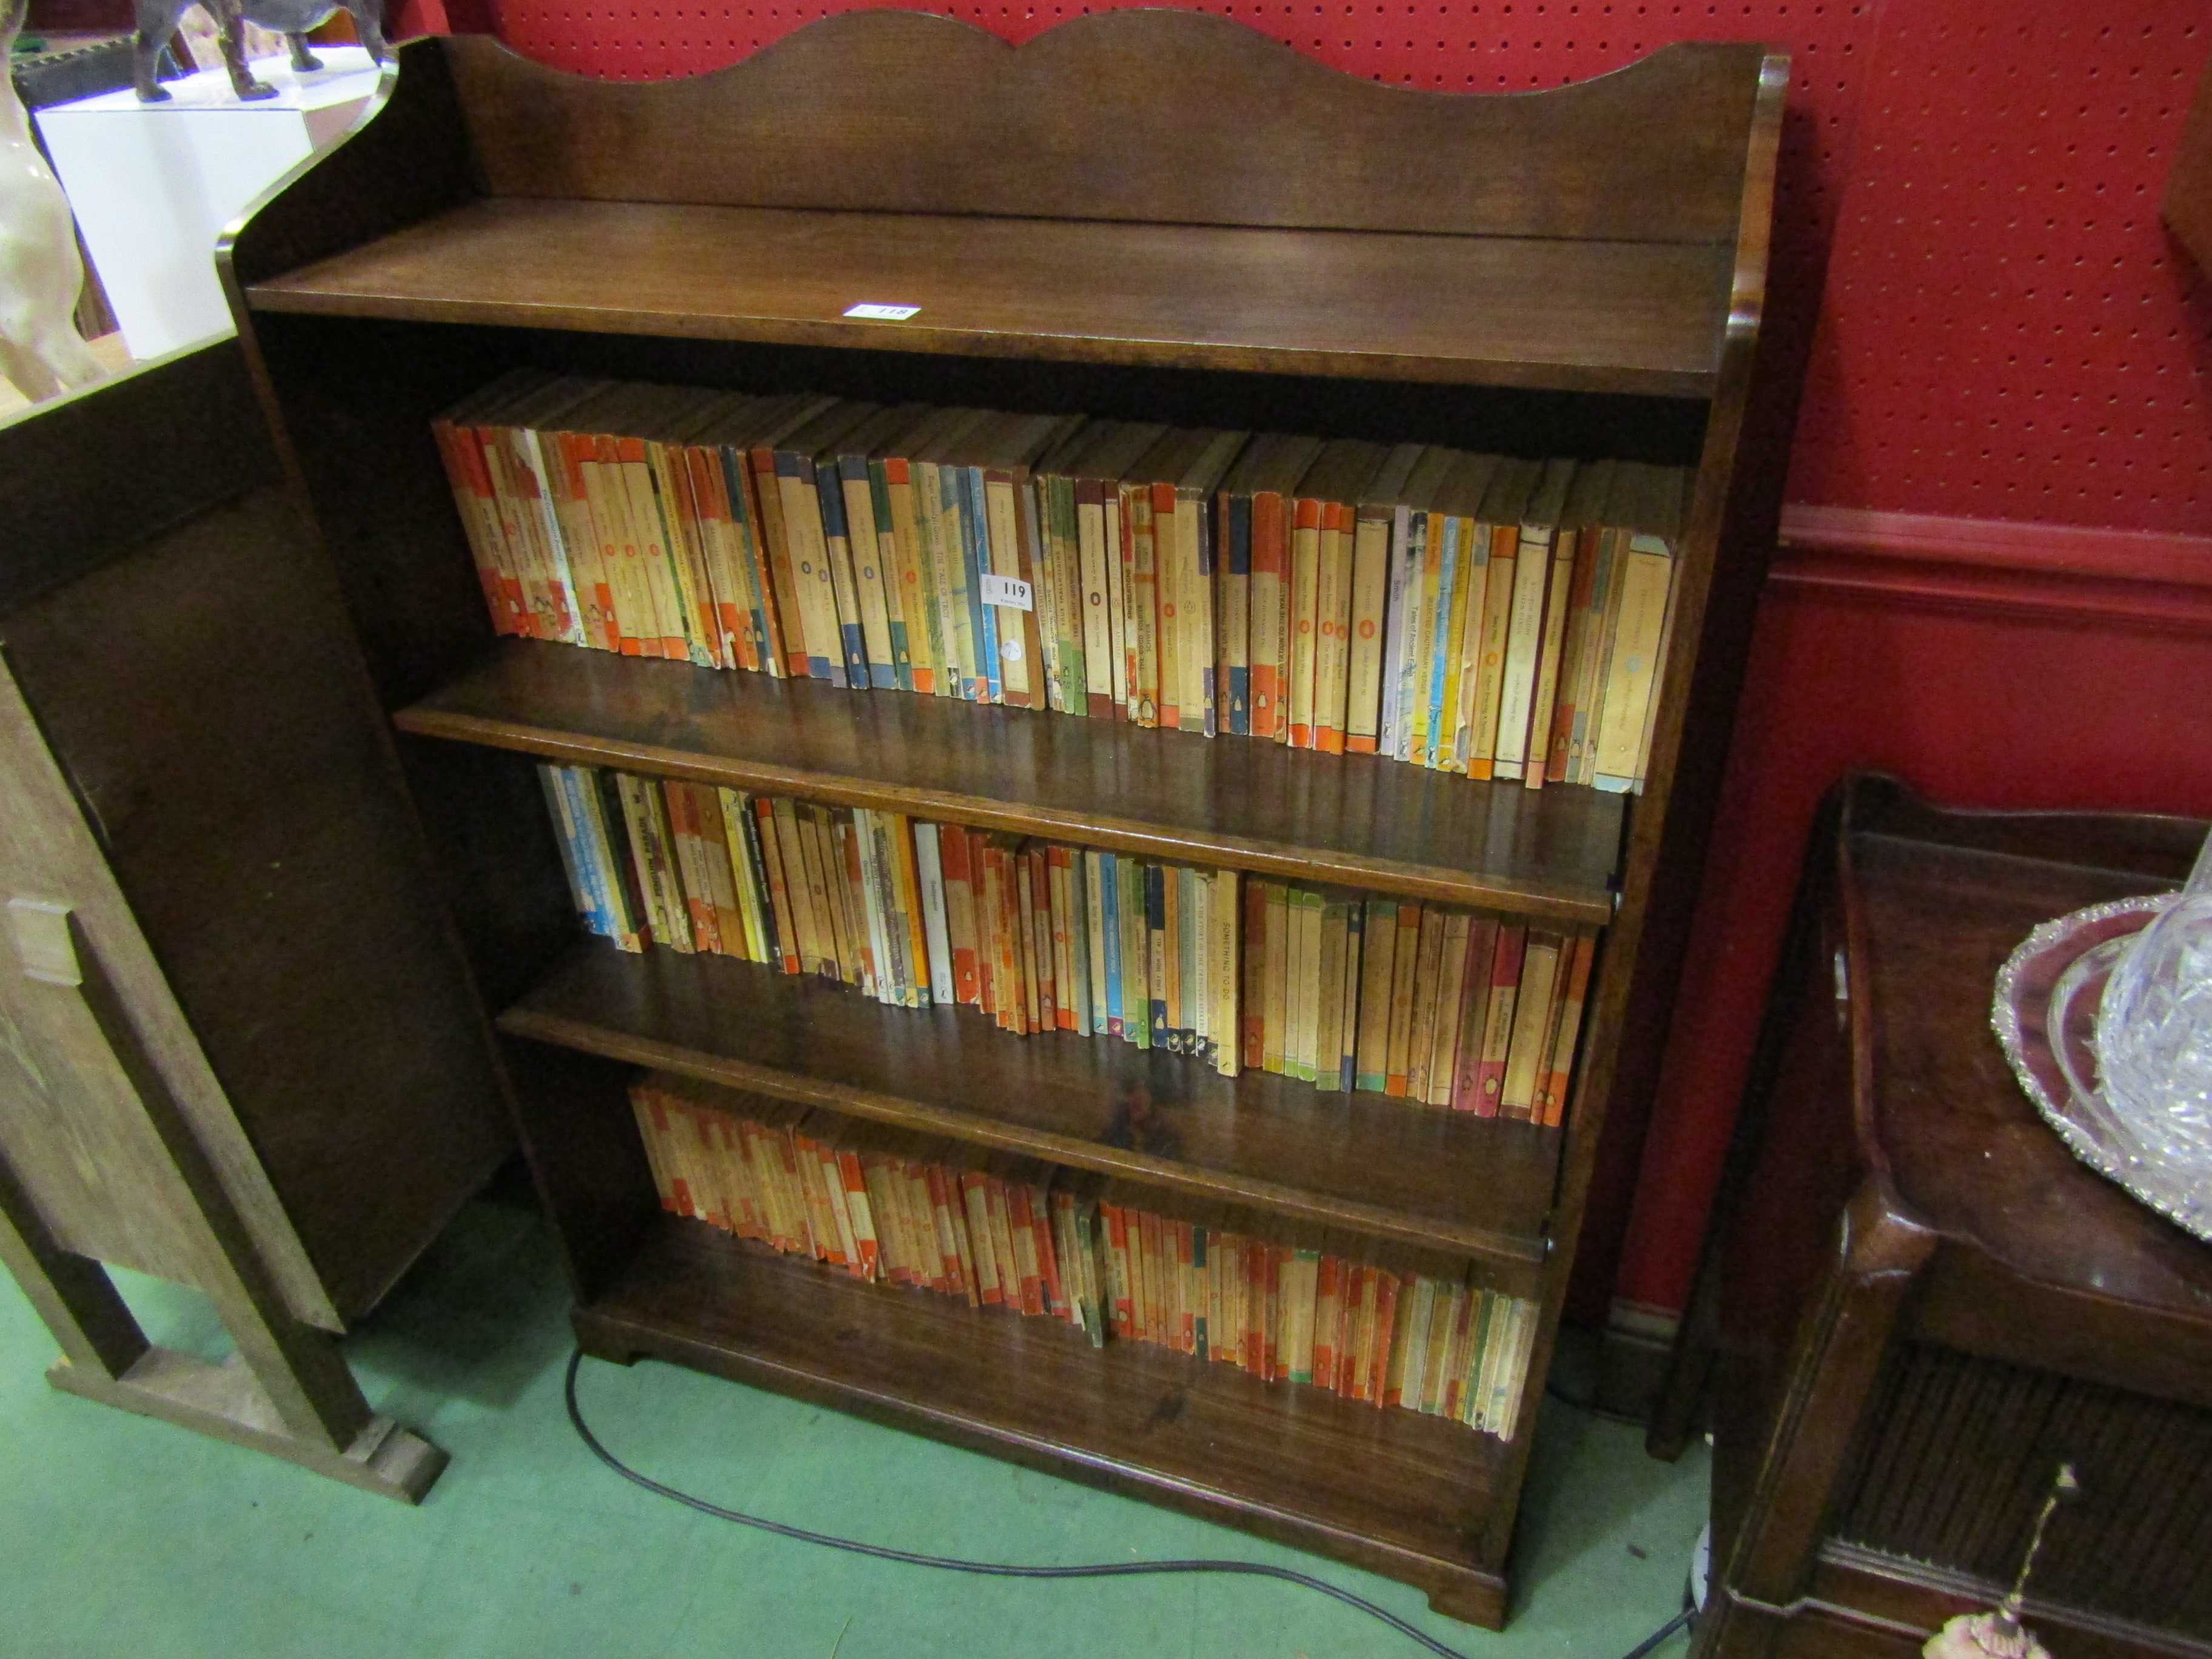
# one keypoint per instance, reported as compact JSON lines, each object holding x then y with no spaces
{"x":2008,"y":333}
{"x":1970,"y":187}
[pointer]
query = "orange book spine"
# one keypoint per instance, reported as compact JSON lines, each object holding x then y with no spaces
{"x":1405,"y":959}
{"x":1155,"y":1280}
{"x":1267,"y":621}
{"x":1305,"y":583}
{"x":976,"y":1202}
{"x":672,"y":1198}
{"x":775,"y":547}
{"x":1015,"y":995}
{"x":1037,"y":897}
{"x":1328,"y":1313}
{"x":653,"y":551}
{"x":1387,"y":1290}
{"x":779,"y":889}
{"x":1053,"y":1288}
{"x":867,"y":1250}
{"x":1560,"y":1073}
{"x":571,"y":452}
{"x":1497,"y":1024}
{"x":1252,"y":1013}
{"x":1333,"y":628}
{"x":691,"y":863}
{"x":1022,"y":1221}
{"x":1358,"y":1331}
{"x":986,"y":878}
{"x":1274,"y":1357}
{"x":688,"y":557}
{"x":622,"y":551}
{"x":1253,"y":1267}
{"x":960,"y":912}
{"x":1168,"y":576}
{"x":1186,"y":1331}
{"x":1116,"y":1222}
{"x":524,"y":563}
{"x":461,"y":477}
{"x":1058,"y":870}
{"x":718,"y":537}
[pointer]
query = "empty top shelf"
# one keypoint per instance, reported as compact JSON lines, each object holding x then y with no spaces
{"x":1571,"y":315}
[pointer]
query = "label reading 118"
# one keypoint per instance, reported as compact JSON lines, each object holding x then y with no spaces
{"x":1006,"y":591}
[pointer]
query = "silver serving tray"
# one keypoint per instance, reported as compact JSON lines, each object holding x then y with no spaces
{"x":2045,"y":1014}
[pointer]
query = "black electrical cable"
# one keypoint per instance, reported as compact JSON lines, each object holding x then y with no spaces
{"x":1011,"y":1569}
{"x":1604,"y":1412}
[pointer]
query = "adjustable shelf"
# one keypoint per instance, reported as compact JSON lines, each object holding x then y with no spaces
{"x":1384,"y":1487}
{"x":1458,"y":1183}
{"x":1576,"y":316}
{"x":1229,"y":801}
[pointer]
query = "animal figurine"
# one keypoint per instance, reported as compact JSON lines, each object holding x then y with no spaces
{"x":41,"y":353}
{"x":158,"y":20}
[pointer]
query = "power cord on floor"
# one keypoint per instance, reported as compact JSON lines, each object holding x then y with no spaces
{"x":1011,"y":1570}
{"x":1605,"y":1413}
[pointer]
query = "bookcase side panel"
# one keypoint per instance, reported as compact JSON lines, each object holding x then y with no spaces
{"x":1735,"y":487}
{"x":356,"y":400}
{"x":408,"y":158}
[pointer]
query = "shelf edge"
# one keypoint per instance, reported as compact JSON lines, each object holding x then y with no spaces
{"x":289,"y":295}
{"x":1585,"y":907}
{"x":1515,"y":1253}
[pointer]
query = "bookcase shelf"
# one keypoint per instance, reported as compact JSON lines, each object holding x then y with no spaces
{"x":1458,"y":1183}
{"x":1353,"y":819}
{"x":1577,"y":316}
{"x":1388,"y":1488}
{"x":1144,"y":215}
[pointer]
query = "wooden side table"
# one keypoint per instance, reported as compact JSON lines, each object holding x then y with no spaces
{"x":1915,"y":1304}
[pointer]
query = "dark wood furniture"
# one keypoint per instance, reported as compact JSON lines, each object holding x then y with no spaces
{"x":1915,"y":1304}
{"x":237,"y":1048}
{"x":1150,"y":215}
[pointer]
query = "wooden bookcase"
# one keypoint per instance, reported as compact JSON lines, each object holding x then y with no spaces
{"x":1146,"y":214}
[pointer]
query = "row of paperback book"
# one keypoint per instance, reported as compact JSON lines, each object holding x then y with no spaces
{"x":1479,"y":614}
{"x":1441,"y":1007}
{"x":1002,"y":1230}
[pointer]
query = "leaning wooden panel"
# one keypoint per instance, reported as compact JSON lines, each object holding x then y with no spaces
{"x":69,"y":1132}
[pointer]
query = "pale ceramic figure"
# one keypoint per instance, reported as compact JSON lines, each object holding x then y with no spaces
{"x":41,"y":272}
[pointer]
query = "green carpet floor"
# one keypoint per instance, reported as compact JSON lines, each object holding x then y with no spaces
{"x":119,"y":1535}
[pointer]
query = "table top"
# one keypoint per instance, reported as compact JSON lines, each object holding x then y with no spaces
{"x":1940,"y":900}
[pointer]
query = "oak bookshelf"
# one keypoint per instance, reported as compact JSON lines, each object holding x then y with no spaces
{"x":1146,"y":215}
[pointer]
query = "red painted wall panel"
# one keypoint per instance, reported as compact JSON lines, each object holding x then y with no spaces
{"x":2006,"y":332}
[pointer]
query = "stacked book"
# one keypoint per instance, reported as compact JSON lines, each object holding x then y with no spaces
{"x":1040,"y":937}
{"x":1479,"y":614}
{"x":1000,"y":1230}
{"x":1440,"y":1006}
{"x":1426,"y":1002}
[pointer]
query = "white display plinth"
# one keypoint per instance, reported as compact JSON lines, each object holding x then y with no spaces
{"x":153,"y":185}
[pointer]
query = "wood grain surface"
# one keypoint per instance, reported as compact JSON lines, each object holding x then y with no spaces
{"x":1387,"y":1489}
{"x":1589,"y":316}
{"x":1223,"y":801}
{"x":1450,"y":1180}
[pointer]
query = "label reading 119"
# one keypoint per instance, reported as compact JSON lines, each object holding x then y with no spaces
{"x":1006,"y":591}
{"x":880,"y":313}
